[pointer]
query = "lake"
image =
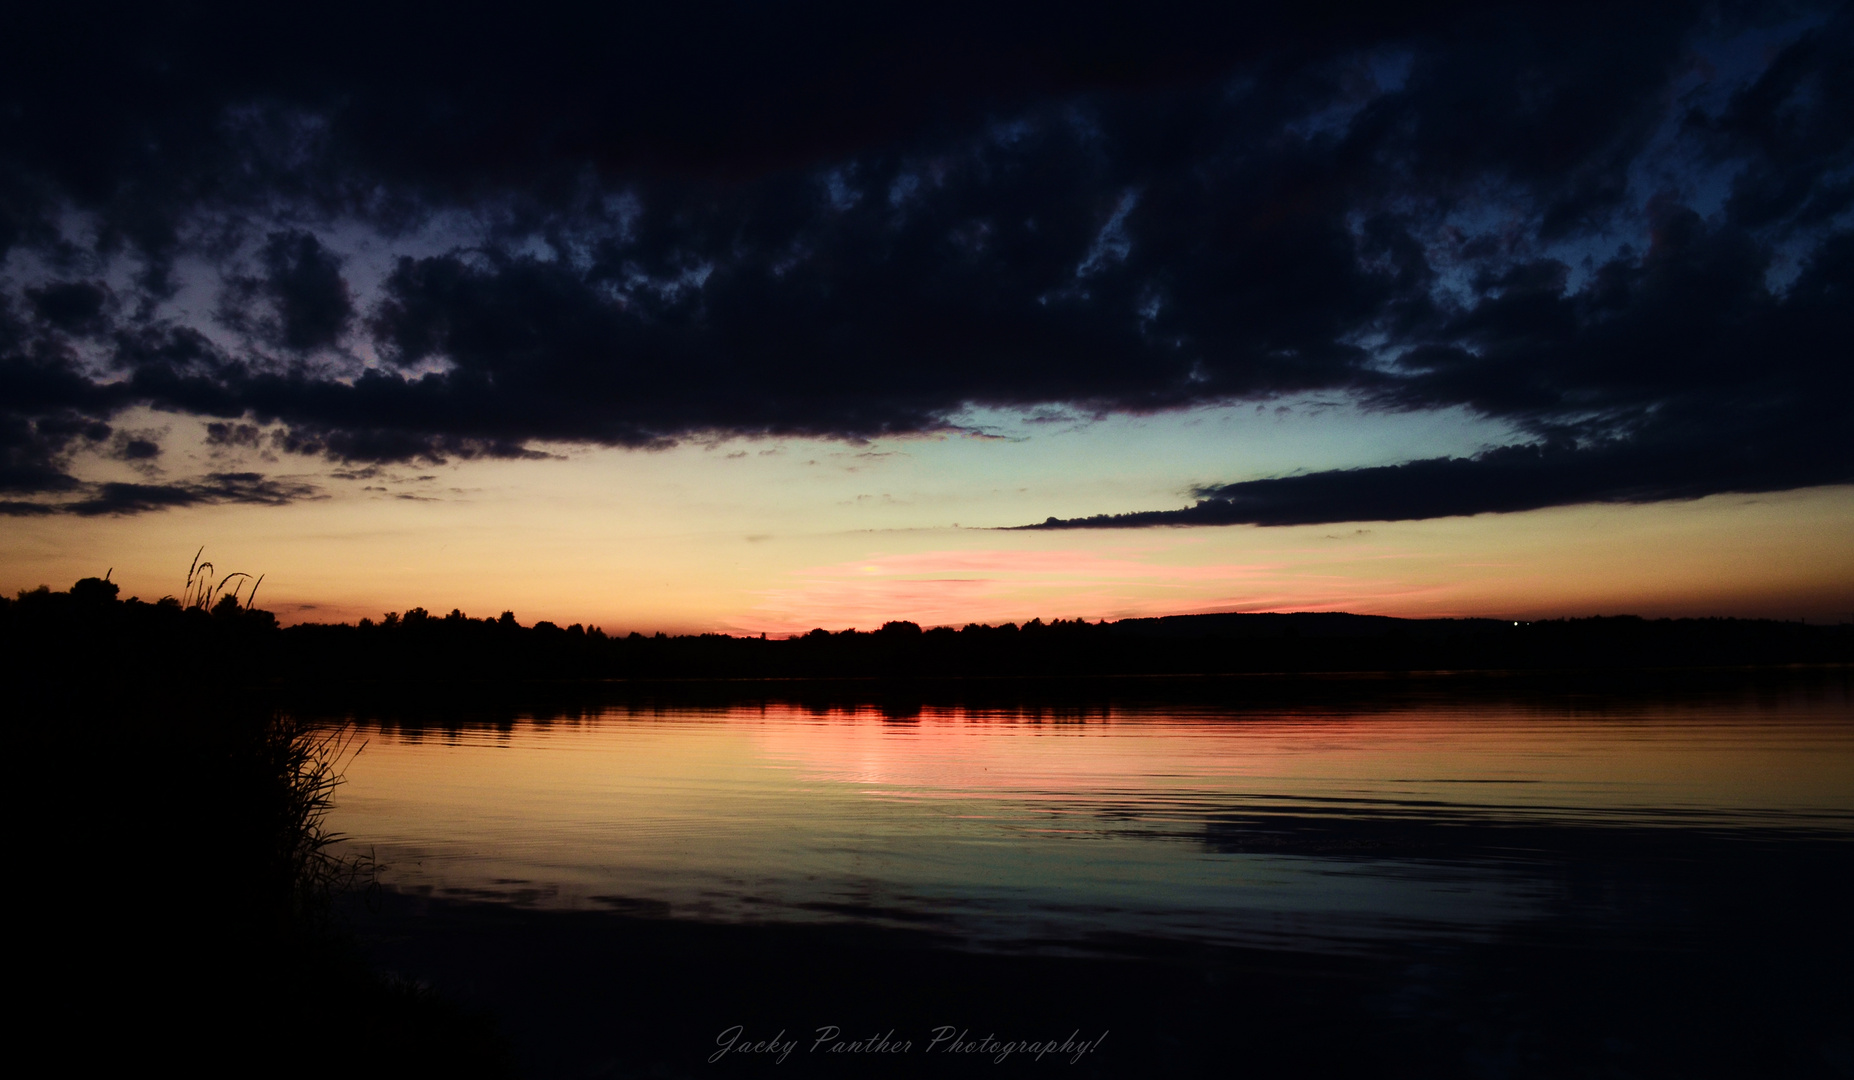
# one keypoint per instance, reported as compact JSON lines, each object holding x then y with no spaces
{"x":1421,"y":826}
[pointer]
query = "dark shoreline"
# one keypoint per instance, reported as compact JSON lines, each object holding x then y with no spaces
{"x":421,"y":702}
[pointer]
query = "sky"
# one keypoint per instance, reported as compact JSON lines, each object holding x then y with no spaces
{"x":754,"y":317}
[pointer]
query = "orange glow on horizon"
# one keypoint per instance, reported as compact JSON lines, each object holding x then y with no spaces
{"x":547,"y":542}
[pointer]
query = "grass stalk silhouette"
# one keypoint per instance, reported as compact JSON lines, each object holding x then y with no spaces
{"x":304,"y":766}
{"x":202,"y":592}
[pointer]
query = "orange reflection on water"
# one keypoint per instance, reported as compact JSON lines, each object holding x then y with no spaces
{"x":1665,"y":759}
{"x":1060,"y":822}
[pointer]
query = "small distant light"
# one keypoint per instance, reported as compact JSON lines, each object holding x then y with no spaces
{"x":1515,"y":624}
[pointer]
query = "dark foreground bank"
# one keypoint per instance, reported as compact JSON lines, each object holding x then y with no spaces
{"x":179,"y":903}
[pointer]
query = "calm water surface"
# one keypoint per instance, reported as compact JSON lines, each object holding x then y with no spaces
{"x":1081,"y":829}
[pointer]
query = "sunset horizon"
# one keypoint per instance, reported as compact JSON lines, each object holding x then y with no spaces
{"x":1787,"y":554}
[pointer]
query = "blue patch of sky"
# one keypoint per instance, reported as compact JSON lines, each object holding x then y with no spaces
{"x":1378,"y":345}
{"x":1674,"y":163}
{"x":1214,"y":444}
{"x":1740,"y":57}
{"x":1150,"y":304}
{"x":1009,"y":133}
{"x":1111,"y":244}
{"x":838,"y":190}
{"x":1081,"y":123}
{"x":904,"y":188}
{"x":622,"y":209}
{"x":1363,"y":79}
{"x":1390,"y":69}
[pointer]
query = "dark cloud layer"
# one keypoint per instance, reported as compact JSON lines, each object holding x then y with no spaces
{"x":309,"y":305}
{"x":1672,"y":377}
{"x":1622,"y":230}
{"x":213,"y":488}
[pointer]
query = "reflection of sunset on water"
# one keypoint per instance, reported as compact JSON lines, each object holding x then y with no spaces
{"x":1090,"y":819}
{"x":1519,"y":757}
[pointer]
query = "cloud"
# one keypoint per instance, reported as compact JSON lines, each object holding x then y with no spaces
{"x":34,"y":449}
{"x":1673,"y":376}
{"x":19,"y":508}
{"x":311,"y":306}
{"x":75,"y":307}
{"x":1504,"y":480}
{"x":220,"y":434}
{"x":1622,"y":231}
{"x":121,"y":499}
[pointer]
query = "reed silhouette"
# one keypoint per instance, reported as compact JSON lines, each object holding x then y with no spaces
{"x":177,"y":838}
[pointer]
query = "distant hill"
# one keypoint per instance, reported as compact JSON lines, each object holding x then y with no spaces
{"x":1307,"y":624}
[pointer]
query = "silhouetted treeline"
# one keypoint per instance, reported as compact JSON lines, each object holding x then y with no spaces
{"x":86,"y":638}
{"x":87,"y":646}
{"x":488,"y":650}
